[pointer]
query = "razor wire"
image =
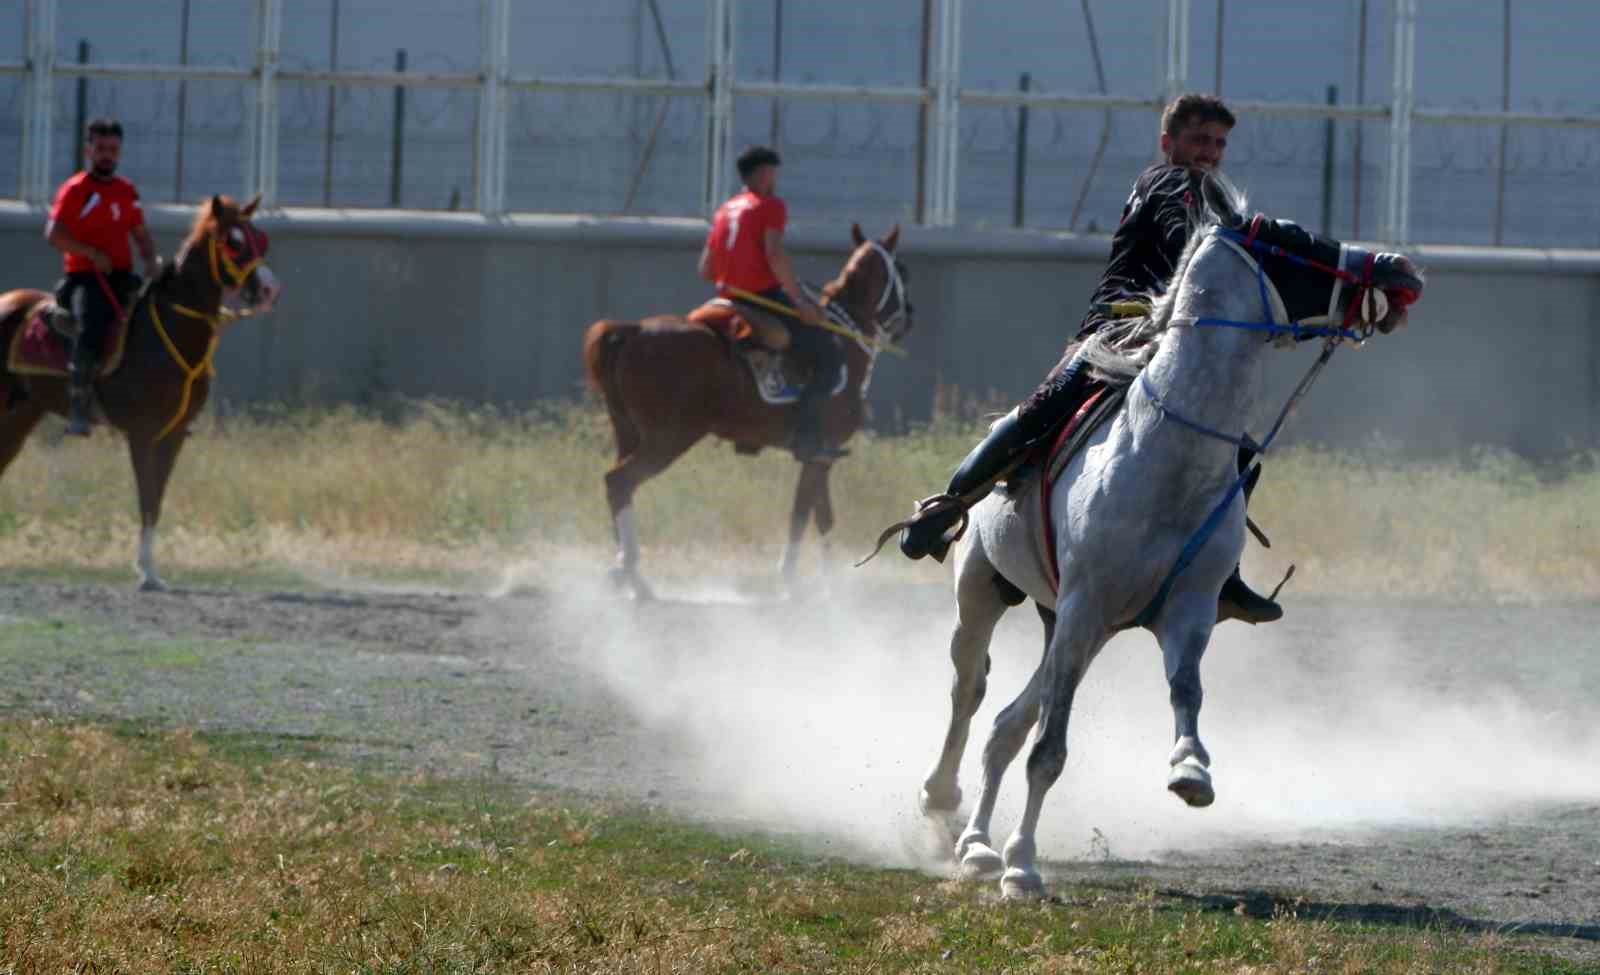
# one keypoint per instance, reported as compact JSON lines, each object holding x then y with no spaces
{"x":581,"y":151}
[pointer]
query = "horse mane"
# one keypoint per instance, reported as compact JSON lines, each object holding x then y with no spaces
{"x":204,"y":222}
{"x":1119,"y":350}
{"x":834,"y":288}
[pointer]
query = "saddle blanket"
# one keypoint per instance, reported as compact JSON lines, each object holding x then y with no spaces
{"x":778,"y":380}
{"x":36,"y":350}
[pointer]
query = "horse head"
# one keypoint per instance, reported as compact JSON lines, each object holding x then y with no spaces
{"x":226,"y":243}
{"x":872,"y":285}
{"x":1318,"y":277}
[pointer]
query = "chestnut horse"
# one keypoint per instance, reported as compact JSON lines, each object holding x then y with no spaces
{"x":165,"y":372}
{"x":668,"y":382}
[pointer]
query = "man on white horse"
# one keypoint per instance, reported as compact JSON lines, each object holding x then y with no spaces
{"x":1145,"y":249}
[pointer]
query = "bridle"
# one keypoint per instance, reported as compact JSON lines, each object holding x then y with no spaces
{"x":893,"y":287}
{"x":224,"y":257}
{"x":1360,"y":319}
{"x":223,"y":260}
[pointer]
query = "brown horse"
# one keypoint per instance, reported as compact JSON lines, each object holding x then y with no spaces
{"x":668,"y":382}
{"x":165,"y":371}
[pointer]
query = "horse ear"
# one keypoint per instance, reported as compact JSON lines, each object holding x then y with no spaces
{"x":218,"y":208}
{"x":892,"y":238}
{"x":250,"y":208}
{"x":856,"y":236}
{"x":1220,"y":200}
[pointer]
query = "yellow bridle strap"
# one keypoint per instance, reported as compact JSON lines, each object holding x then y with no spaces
{"x":205,"y":367}
{"x":237,"y":273}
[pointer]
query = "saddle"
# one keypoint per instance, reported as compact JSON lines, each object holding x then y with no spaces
{"x":42,"y":345}
{"x":751,"y":334}
{"x":1052,"y":455}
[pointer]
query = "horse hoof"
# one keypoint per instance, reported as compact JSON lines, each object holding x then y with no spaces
{"x":1021,"y":883}
{"x":628,"y":583}
{"x":153,"y":584}
{"x":1190,"y":782}
{"x":980,"y":862}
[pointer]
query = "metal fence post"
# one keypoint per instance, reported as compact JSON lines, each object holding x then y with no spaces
{"x":261,"y":160}
{"x":41,"y":101}
{"x":1177,"y":47}
{"x":1397,"y":202}
{"x":491,"y":175}
{"x":1019,"y":186}
{"x":74,"y":142}
{"x":397,"y":147}
{"x":719,"y":126}
{"x":946,"y":115}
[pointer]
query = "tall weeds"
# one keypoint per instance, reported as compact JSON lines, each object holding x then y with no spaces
{"x":446,"y":489}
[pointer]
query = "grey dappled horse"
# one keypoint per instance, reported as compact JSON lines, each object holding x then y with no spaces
{"x":1132,"y":499}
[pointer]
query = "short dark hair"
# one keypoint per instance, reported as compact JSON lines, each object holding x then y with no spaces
{"x":755,"y":157}
{"x":102,"y":126}
{"x":1194,"y":109}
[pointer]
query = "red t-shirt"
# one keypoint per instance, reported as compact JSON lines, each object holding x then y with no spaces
{"x":100,"y":213}
{"x":737,"y":241}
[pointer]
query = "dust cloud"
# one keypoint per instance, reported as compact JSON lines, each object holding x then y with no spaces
{"x":822,"y":714}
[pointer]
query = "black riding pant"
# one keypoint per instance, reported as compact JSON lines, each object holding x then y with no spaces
{"x":84,"y":295}
{"x":813,"y":345}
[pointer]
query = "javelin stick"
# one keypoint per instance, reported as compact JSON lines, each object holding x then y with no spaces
{"x":787,"y":312}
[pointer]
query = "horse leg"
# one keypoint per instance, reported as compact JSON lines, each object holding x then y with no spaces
{"x":975,"y":849}
{"x":1183,"y":631}
{"x":809,"y":493}
{"x":1074,"y":642}
{"x":153,"y":461}
{"x":643,"y":463}
{"x":15,"y":425}
{"x":979,"y":606}
{"x":822,"y":514}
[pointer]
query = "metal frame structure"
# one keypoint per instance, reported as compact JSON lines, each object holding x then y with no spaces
{"x":942,"y":98}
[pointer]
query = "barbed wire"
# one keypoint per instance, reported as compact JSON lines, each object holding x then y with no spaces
{"x":856,"y":151}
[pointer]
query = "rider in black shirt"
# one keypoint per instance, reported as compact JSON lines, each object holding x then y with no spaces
{"x":1145,"y":250}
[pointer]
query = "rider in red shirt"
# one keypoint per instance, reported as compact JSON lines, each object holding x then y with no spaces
{"x":94,"y":213}
{"x":744,"y":250}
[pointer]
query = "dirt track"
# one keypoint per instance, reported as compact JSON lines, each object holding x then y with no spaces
{"x":1413,"y":763}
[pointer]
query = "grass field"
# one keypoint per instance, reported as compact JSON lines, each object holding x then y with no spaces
{"x":129,"y":848}
{"x":462,"y":492}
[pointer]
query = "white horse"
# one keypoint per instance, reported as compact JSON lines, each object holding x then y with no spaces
{"x":1131,"y":500}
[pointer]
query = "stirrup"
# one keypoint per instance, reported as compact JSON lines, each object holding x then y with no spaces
{"x":930,"y":507}
{"x":80,"y":416}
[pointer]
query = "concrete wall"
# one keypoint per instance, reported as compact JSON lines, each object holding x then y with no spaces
{"x":455,"y":306}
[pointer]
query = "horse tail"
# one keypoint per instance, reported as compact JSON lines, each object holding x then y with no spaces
{"x":601,"y":344}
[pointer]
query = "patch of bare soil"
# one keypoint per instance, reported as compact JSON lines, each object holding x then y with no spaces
{"x":467,"y":685}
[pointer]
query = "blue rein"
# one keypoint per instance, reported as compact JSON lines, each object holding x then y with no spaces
{"x":1298,"y":331}
{"x":1197,"y":541}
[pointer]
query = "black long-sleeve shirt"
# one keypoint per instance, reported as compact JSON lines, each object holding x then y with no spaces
{"x":1151,"y":237}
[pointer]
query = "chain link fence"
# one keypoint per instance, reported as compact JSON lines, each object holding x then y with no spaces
{"x":1030,"y":113}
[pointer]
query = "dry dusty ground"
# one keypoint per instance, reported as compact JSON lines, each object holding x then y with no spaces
{"x":1407,"y":763}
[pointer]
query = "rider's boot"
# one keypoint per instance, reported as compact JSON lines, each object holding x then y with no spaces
{"x":80,"y":389}
{"x":1237,"y":600}
{"x":928,"y":531}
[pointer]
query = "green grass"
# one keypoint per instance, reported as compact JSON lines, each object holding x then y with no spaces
{"x":454,"y":495}
{"x":127,"y":848}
